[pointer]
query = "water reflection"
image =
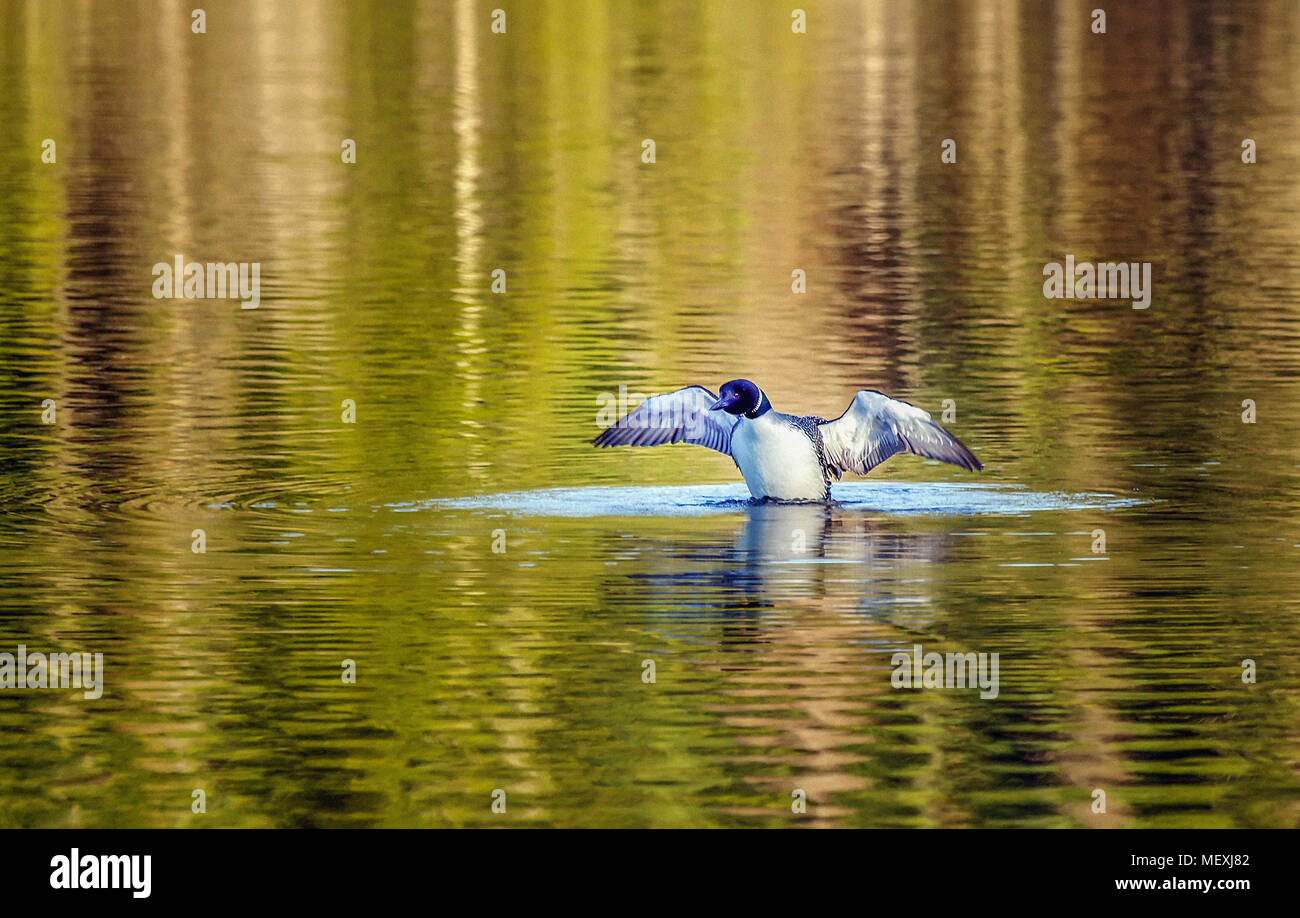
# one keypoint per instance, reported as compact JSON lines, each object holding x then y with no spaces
{"x":788,"y":553}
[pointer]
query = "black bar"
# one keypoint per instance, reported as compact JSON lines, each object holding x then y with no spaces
{"x":947,"y":868}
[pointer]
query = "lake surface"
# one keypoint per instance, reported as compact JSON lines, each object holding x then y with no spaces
{"x":501,"y":587}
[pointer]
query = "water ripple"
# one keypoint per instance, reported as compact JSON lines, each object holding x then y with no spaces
{"x":891,"y":497}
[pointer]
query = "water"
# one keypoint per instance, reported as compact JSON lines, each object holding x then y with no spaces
{"x":771,"y":628}
{"x":942,"y":499}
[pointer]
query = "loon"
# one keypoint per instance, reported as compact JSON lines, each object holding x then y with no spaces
{"x":780,"y":456}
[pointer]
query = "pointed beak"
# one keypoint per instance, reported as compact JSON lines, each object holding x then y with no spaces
{"x":723,"y":402}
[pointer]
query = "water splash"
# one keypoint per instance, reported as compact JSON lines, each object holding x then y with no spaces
{"x":891,"y":497}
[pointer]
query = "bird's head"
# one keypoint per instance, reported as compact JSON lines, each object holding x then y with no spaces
{"x":740,"y":396}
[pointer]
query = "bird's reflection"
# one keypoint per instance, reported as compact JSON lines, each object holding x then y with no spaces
{"x":778,"y":557}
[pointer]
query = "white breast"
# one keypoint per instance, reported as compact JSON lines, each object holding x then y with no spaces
{"x":777,"y":459}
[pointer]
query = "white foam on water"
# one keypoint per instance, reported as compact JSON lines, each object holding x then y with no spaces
{"x":888,"y":497}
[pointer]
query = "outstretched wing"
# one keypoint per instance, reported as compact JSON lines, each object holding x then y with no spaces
{"x":876,"y":427}
{"x":674,"y":417}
